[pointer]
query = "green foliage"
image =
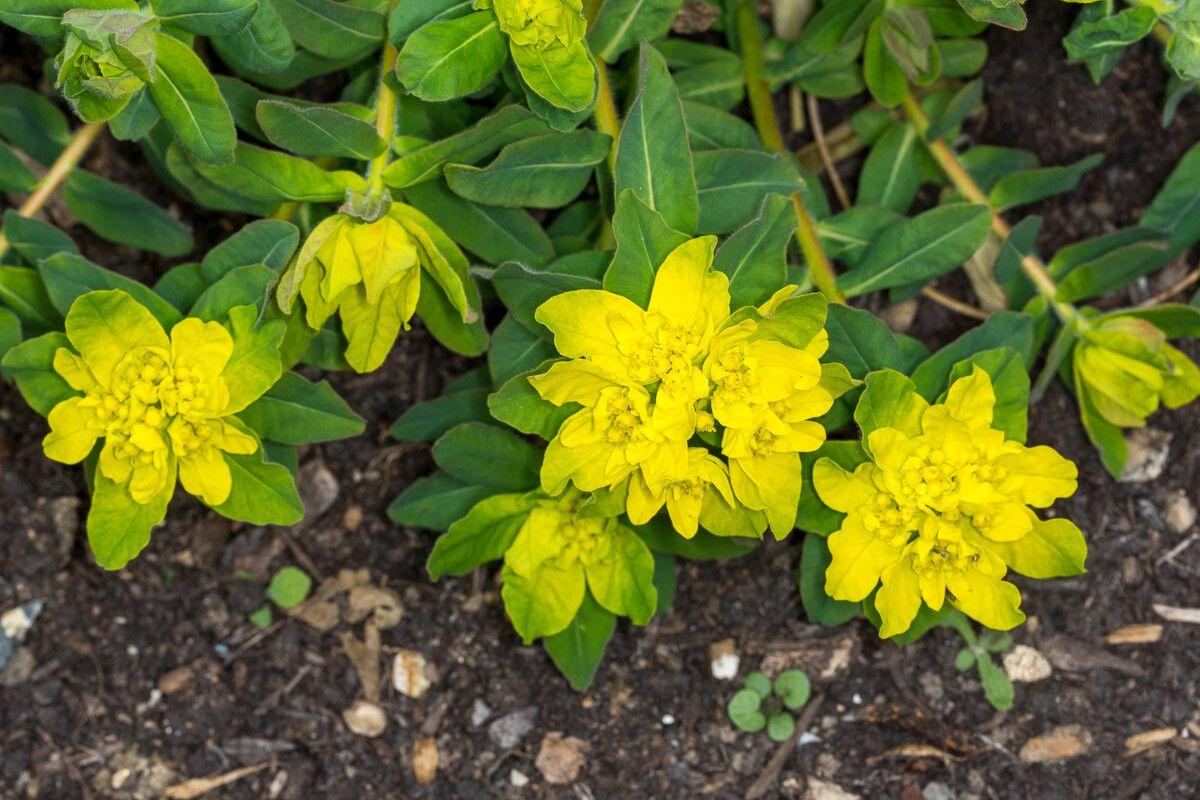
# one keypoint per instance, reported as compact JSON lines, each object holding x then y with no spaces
{"x":763,"y":704}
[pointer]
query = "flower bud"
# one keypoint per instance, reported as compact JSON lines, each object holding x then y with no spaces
{"x":1126,"y":369}
{"x":107,"y":57}
{"x":541,"y":23}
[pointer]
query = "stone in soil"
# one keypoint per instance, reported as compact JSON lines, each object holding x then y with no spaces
{"x":509,"y":730}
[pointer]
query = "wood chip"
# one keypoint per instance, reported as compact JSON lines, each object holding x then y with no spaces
{"x":1174,"y":614}
{"x":1148,"y":740}
{"x":915,"y":751}
{"x":425,"y":760}
{"x":1135,"y":634}
{"x":197,"y":787}
{"x":1058,"y":744}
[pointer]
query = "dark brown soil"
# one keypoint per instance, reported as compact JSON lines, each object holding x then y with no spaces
{"x":89,"y":716}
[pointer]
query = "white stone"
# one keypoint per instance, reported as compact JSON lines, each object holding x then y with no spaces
{"x":518,"y":779}
{"x":1023,"y":664}
{"x":725,"y":661}
{"x":410,"y":675}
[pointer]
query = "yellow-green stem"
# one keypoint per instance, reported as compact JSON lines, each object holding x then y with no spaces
{"x":385,"y":115}
{"x":762,"y":109}
{"x":972,"y":193}
{"x":605,"y":112}
{"x":59,"y":171}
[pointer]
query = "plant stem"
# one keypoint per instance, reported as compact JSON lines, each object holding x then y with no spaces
{"x":59,"y":171}
{"x":972,"y":193}
{"x":385,"y":116}
{"x":762,"y":109}
{"x":605,"y":112}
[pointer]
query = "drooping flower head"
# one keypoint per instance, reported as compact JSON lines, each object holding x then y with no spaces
{"x":107,"y":57}
{"x":370,"y":274}
{"x":685,"y":405}
{"x":162,"y":404}
{"x":941,"y":510}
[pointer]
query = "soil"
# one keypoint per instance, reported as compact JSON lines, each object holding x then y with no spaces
{"x":138,"y":680}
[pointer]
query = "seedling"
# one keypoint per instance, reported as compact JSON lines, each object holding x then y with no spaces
{"x":978,"y":652}
{"x":761,"y":704}
{"x":288,"y":588}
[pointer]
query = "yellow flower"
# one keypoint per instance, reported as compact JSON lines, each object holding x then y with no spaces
{"x":653,"y":380}
{"x":369,"y":273}
{"x":943,"y":506}
{"x":689,"y":498}
{"x":541,"y":23}
{"x":162,"y":404}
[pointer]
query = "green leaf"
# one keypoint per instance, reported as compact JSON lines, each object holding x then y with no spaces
{"x":515,"y":350}
{"x":295,"y":411}
{"x":270,"y":242}
{"x":780,"y":726}
{"x":744,"y":711}
{"x":732,"y":184}
{"x":424,"y":162}
{"x":120,"y":215}
{"x":318,"y":131}
{"x":254,"y":366}
{"x":206,"y":17}
{"x":523,"y":290}
{"x":1006,"y":329}
{"x":263,"y":46}
{"x":289,"y":587}
{"x":30,"y":365}
{"x":30,"y":121}
{"x":271,"y":177}
{"x":718,"y":83}
{"x":67,"y":276}
{"x":239,"y":287}
{"x":891,"y":176}
{"x":332,"y":29}
{"x":964,"y":660}
{"x":622,"y":23}
{"x":623,"y":581}
{"x":34,"y":239}
{"x":861,"y":341}
{"x":961,"y":105}
{"x":10,"y":331}
{"x":652,"y":157}
{"x":15,"y":177}
{"x":518,"y":405}
{"x":545,"y":171}
{"x":563,"y":76}
{"x":436,"y":502}
{"x":890,"y":400}
{"x":1030,"y":186}
{"x":545,"y":602}
{"x":263,"y":493}
{"x":406,"y":18}
{"x":43,"y":17}
{"x":118,"y":528}
{"x":446,"y":323}
{"x":1099,"y":43}
{"x":820,"y":607}
{"x":884,"y":77}
{"x":489,"y":456}
{"x":492,"y":233}
{"x":1005,"y":14}
{"x":578,"y":650}
{"x":427,"y":421}
{"x":262,"y":618}
{"x":662,"y":538}
{"x":793,"y":687}
{"x":22,"y":291}
{"x":1175,"y":210}
{"x":451,"y":58}
{"x":190,"y":102}
{"x":755,"y":257}
{"x":713,"y":129}
{"x":918,"y":249}
{"x":643,"y":241}
{"x":997,"y":688}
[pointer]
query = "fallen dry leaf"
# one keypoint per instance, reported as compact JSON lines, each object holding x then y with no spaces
{"x":382,"y":605}
{"x":1066,"y":741}
{"x":425,"y":760}
{"x":1175,"y":614}
{"x":1147,"y":740}
{"x":1135,"y":634}
{"x":560,"y":758}
{"x":197,"y":787}
{"x":915,"y":751}
{"x":820,"y":656}
{"x":365,"y":655}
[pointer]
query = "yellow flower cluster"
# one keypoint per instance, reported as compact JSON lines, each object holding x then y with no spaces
{"x":662,"y":388}
{"x":541,"y":24}
{"x":160,"y":403}
{"x":940,"y":511}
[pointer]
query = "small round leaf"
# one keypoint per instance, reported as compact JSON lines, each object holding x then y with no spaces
{"x":759,"y":684}
{"x":793,"y":688}
{"x":964,"y":660}
{"x":781,"y":726}
{"x":262,"y":617}
{"x":289,"y":587}
{"x":744,"y":711}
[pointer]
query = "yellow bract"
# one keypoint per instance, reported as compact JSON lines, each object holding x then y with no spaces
{"x":942,"y":511}
{"x":157,"y":401}
{"x":650,"y":380}
{"x":541,"y":23}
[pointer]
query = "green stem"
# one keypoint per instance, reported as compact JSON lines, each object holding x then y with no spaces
{"x":762,"y":109}
{"x":59,"y":171}
{"x":385,"y":116}
{"x":953,"y":168}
